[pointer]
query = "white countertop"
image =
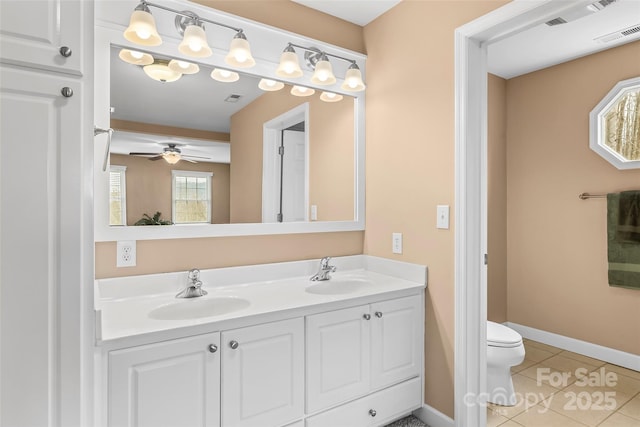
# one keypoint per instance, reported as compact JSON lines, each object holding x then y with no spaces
{"x":123,"y":305}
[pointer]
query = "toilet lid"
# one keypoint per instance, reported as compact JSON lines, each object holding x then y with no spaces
{"x":501,"y":336}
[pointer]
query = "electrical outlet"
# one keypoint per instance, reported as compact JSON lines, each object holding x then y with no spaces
{"x":396,"y":243}
{"x":126,"y":253}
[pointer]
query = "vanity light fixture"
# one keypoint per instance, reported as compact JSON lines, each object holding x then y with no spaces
{"x":134,"y":57}
{"x":161,"y":72}
{"x":239,"y":52}
{"x":353,"y":79}
{"x":318,"y":61}
{"x":142,"y":27}
{"x":224,"y":76}
{"x":183,"y":67}
{"x":302,"y":91}
{"x":142,"y":30}
{"x":270,"y":85}
{"x":289,"y":65}
{"x":330,"y":97}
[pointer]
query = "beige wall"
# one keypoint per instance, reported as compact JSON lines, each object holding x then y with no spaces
{"x":410,"y":158}
{"x":331,"y":161}
{"x":182,"y":254}
{"x":497,"y":200}
{"x":557,"y":265}
{"x":149,"y":187}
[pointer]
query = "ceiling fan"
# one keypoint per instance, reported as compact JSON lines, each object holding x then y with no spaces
{"x":171,"y":154}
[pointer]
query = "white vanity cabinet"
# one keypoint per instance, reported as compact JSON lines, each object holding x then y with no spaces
{"x":172,"y":383}
{"x":42,"y":34}
{"x":263,"y":374}
{"x":352,"y":352}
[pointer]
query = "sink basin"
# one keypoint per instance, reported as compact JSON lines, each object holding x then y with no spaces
{"x":337,"y":286}
{"x":194,"y":308}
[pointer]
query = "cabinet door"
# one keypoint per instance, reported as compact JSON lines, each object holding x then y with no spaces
{"x":396,"y":340}
{"x":337,"y":356}
{"x":33,"y":32}
{"x":168,"y":384}
{"x":36,"y":124}
{"x":263,"y":374}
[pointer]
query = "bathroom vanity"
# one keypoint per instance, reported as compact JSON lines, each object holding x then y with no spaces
{"x":347,"y":351}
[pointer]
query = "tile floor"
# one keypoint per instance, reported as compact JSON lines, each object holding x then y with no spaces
{"x":564,"y":389}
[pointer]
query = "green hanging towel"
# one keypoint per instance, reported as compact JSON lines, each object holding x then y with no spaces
{"x":623,"y":236}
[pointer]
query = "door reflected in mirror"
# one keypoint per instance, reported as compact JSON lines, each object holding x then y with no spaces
{"x":197,"y":127}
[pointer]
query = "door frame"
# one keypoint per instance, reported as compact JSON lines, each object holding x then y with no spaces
{"x":471,"y":43}
{"x":271,"y":161}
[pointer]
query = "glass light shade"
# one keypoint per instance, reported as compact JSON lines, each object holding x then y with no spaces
{"x":171,"y":158}
{"x":161,"y":72}
{"x":302,"y":91}
{"x":289,"y":66}
{"x":240,"y":54}
{"x":224,"y":76}
{"x":323,"y":74}
{"x":134,"y":57}
{"x":183,"y":67}
{"x":142,"y":29}
{"x":353,"y":80}
{"x":270,"y":85}
{"x":194,"y":43}
{"x":330,"y":97}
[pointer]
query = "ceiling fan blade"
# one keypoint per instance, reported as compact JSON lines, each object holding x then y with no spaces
{"x":195,"y":157}
{"x":156,"y":158}
{"x":188,"y":160}
{"x":144,"y":154}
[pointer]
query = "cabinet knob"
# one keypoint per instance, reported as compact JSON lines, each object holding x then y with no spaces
{"x":65,"y":51}
{"x":67,"y":92}
{"x":378,"y":314}
{"x":233,"y":344}
{"x":366,"y":316}
{"x":372,"y":412}
{"x":213,"y":348}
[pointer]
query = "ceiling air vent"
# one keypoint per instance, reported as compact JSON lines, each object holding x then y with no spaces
{"x":233,"y":98}
{"x":556,"y":21}
{"x":625,"y":32}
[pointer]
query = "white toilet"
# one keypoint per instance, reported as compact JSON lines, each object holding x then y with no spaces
{"x":504,"y":350}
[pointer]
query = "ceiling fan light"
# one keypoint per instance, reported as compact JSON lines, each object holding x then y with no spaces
{"x":289,"y":65}
{"x":353,"y":79}
{"x":270,"y":85}
{"x":330,"y":97}
{"x":183,"y":67}
{"x":323,"y":74}
{"x":161,"y":72}
{"x":302,"y":91}
{"x":240,"y":52}
{"x":142,"y":28}
{"x":224,"y":76}
{"x":134,"y":57}
{"x":171,"y":157}
{"x":194,"y":43}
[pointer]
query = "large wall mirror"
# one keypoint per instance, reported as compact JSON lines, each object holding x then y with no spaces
{"x":615,"y":125}
{"x":217,"y":157}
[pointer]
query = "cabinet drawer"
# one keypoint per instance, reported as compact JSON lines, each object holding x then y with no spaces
{"x":373,"y":410}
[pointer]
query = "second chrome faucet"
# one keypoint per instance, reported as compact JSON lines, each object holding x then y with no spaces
{"x":324,"y":270}
{"x":194,"y":286}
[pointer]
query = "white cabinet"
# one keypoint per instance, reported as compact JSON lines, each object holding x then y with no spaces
{"x":170,"y":384}
{"x":353,"y":351}
{"x":263,"y":374}
{"x":34,"y":33}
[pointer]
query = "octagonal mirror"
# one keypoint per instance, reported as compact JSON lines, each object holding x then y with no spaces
{"x":615,"y":125}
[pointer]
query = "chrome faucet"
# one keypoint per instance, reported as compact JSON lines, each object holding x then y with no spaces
{"x":324,"y":270}
{"x":194,"y":286}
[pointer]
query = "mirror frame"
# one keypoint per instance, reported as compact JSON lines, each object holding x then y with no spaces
{"x":597,"y":128}
{"x":267,"y":42}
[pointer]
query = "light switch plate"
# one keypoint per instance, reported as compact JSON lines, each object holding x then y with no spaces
{"x":396,"y":243}
{"x":443,"y":217}
{"x":314,"y":212}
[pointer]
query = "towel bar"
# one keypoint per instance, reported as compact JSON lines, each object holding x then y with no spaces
{"x":584,"y":196}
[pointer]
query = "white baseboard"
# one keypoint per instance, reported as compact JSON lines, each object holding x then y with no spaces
{"x":606,"y":354}
{"x":432,"y":417}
